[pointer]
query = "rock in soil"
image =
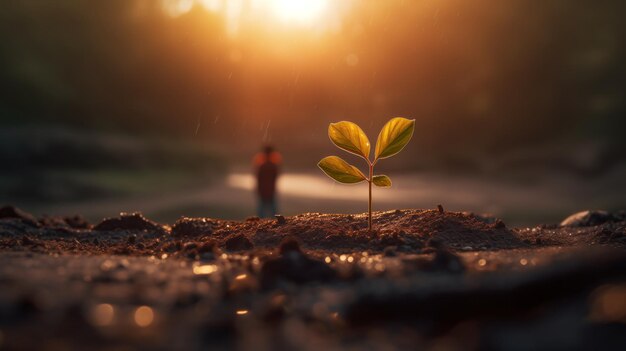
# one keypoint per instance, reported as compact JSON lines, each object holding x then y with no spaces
{"x":592,"y":218}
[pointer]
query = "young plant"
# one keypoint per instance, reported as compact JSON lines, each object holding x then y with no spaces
{"x":350,"y":137}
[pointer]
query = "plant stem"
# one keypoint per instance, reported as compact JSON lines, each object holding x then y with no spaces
{"x":370,"y":180}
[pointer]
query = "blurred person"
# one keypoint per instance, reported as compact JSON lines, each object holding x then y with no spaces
{"x":266,"y":165}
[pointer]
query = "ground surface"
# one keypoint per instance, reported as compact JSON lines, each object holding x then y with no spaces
{"x":425,"y":279}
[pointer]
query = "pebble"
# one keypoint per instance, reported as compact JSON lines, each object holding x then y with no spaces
{"x":589,"y":218}
{"x":280,"y":219}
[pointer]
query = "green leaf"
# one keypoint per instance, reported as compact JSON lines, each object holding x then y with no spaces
{"x":382,"y":181}
{"x":394,"y":136}
{"x":340,"y":170}
{"x":350,"y":137}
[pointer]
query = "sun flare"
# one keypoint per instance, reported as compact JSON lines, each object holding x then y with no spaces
{"x":317,"y":15}
{"x":298,"y":11}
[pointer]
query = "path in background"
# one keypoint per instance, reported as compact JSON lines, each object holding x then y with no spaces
{"x":518,"y":203}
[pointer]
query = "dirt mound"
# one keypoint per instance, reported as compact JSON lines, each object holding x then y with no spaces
{"x":406,"y":229}
{"x":128,"y":221}
{"x":192,"y":227}
{"x":11,"y":212}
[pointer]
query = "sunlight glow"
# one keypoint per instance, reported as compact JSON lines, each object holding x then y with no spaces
{"x":319,"y":15}
{"x":176,"y":8}
{"x":299,"y":11}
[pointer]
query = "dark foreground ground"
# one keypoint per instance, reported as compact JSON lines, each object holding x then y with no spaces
{"x":423,"y":279}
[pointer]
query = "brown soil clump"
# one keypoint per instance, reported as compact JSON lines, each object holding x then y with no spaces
{"x":128,"y":221}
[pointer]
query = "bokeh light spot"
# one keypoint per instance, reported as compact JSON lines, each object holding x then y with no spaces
{"x":144,"y":316}
{"x":204,"y":269}
{"x":102,"y":315}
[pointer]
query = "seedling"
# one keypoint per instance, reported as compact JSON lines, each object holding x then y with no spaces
{"x":350,"y":137}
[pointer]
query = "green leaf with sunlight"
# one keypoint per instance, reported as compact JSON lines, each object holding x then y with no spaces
{"x":350,"y":137}
{"x":393,"y":137}
{"x":382,"y":181}
{"x":340,"y":170}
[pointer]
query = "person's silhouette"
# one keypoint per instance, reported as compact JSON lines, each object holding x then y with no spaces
{"x":266,"y":164}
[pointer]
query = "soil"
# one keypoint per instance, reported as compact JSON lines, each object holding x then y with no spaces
{"x":427,"y":279}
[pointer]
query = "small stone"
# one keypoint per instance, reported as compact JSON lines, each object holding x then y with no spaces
{"x":440,"y":209}
{"x":253,"y":219}
{"x":467,"y":248}
{"x":280,"y":219}
{"x":588,"y":218}
{"x":132,"y":239}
